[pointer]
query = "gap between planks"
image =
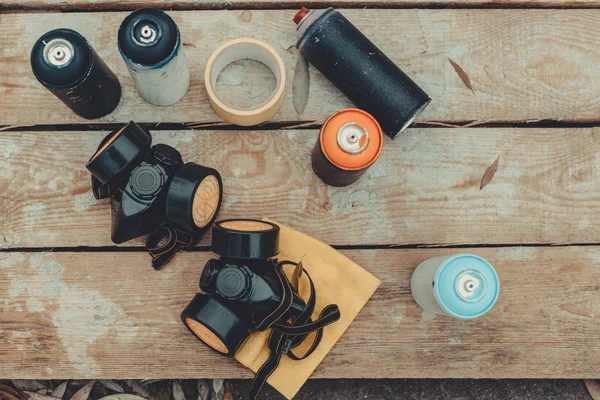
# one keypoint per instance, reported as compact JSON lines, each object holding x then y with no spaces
{"x":198,"y":249}
{"x":80,"y":6}
{"x":296,"y":125}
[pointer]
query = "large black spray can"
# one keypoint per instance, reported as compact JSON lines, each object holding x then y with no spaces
{"x":65,"y":63}
{"x":359,"y":69}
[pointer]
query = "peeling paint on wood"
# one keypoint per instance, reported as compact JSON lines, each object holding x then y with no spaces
{"x":109,"y":324}
{"x":40,"y":287}
{"x":416,"y":193}
{"x":533,"y":64}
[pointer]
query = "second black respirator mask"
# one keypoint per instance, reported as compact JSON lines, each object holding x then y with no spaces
{"x":153,"y":192}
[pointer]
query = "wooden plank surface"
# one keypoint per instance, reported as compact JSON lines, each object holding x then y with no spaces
{"x":523,"y":64}
{"x":95,"y":5}
{"x":81,"y":315}
{"x":424,"y":189}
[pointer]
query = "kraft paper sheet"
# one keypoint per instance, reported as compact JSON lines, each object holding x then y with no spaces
{"x":337,"y":280}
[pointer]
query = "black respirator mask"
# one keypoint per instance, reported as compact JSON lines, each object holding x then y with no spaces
{"x":153,"y":192}
{"x":247,"y":290}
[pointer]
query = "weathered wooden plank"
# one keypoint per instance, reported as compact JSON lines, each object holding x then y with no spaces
{"x":423,"y":190}
{"x":523,"y":64}
{"x":94,"y":5}
{"x":107,"y":315}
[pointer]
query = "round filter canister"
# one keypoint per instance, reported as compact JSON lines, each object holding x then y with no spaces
{"x":215,"y":324}
{"x":194,"y":197}
{"x":463,"y":286}
{"x":245,"y":238}
{"x":350,"y":142}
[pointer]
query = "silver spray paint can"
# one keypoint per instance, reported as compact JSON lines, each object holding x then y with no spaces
{"x":150,"y":43}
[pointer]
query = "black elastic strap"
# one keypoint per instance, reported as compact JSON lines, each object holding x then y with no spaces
{"x":325,"y":316}
{"x":307,"y":313}
{"x":100,"y":190}
{"x":287,"y":299}
{"x":286,"y":335}
{"x":175,"y":239}
{"x":276,"y":345}
{"x":329,"y":315}
{"x":302,"y":327}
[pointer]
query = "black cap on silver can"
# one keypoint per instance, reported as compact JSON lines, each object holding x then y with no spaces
{"x":150,"y":44}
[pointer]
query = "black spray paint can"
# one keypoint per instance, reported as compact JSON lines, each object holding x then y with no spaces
{"x":359,"y":69}
{"x":150,"y":44}
{"x":65,"y":63}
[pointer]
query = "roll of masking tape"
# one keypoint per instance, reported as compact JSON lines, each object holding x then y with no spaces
{"x":239,"y":49}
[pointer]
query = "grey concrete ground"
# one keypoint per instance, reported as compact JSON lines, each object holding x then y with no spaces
{"x":428,"y":389}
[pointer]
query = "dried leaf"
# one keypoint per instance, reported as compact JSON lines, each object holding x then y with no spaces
{"x":301,"y":125}
{"x":188,"y":43}
{"x":122,"y":396}
{"x":217,"y":385}
{"x":43,"y":391}
{"x":489,"y":173}
{"x":198,"y":125}
{"x":178,"y":393}
{"x":139,"y":389}
{"x":112,"y":385}
{"x":462,"y":74}
{"x":27,"y":384}
{"x":593,"y":388}
{"x":162,"y":391}
{"x":151,"y":381}
{"x":203,"y":390}
{"x":84,"y":392}
{"x":228,"y":395}
{"x":217,"y":389}
{"x":79,"y":382}
{"x":60,"y":390}
{"x":297,"y":275}
{"x":436,"y":123}
{"x":38,"y":396}
{"x":300,"y":84}
{"x":8,"y":393}
{"x":8,"y":127}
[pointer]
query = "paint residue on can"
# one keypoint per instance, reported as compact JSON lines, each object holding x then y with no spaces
{"x":150,"y":43}
{"x":66,"y":64}
{"x":359,"y":69}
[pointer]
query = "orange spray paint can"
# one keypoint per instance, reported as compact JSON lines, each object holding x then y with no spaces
{"x":350,"y":142}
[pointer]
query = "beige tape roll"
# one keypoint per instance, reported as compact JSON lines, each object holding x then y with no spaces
{"x":238,"y":49}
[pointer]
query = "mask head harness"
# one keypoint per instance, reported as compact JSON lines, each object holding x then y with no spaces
{"x":247,"y":290}
{"x":153,"y":192}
